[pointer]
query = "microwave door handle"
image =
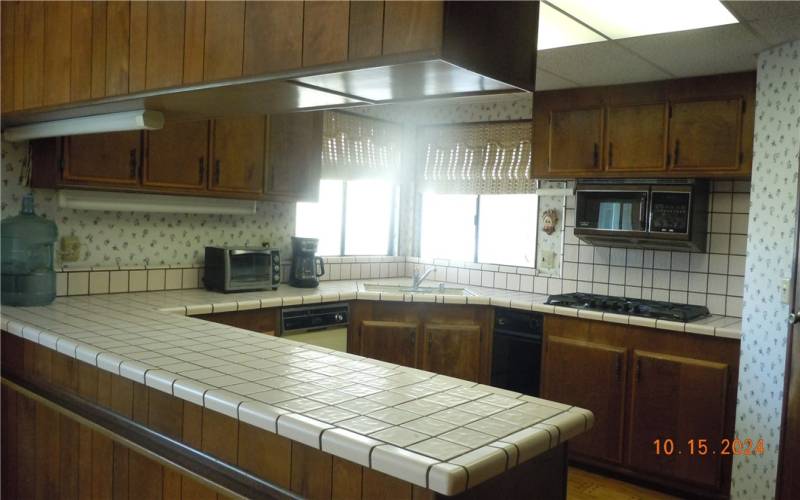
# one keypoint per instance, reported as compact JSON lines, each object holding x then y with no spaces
{"x":247,"y":252}
{"x":642,"y":216}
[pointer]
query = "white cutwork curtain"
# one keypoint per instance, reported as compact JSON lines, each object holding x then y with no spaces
{"x":357,"y":147}
{"x":481,"y":158}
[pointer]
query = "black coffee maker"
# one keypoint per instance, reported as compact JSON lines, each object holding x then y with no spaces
{"x":304,"y":272}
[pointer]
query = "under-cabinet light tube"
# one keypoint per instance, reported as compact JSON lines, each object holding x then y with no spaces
{"x":154,"y":203}
{"x":111,"y":122}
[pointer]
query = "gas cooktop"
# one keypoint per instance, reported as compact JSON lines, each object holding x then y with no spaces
{"x":634,"y":307}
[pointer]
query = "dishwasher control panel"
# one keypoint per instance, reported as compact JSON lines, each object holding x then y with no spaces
{"x":316,"y":317}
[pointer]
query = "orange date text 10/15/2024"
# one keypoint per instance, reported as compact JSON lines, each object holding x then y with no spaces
{"x":702,"y":447}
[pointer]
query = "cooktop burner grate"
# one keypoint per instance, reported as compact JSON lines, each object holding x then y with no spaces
{"x":634,"y":307}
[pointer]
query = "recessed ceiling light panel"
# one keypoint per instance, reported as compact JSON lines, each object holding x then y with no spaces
{"x":558,"y":30}
{"x":629,"y":18}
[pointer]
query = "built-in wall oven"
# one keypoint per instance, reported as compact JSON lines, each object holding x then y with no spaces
{"x":517,"y":351}
{"x":664,"y":214}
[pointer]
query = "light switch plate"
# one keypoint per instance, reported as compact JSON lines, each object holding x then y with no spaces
{"x":786,"y":292}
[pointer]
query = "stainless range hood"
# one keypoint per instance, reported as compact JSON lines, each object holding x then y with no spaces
{"x":486,"y":48}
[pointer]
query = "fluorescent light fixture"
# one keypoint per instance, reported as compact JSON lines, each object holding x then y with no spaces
{"x":111,"y":122}
{"x":154,"y":203}
{"x":559,"y":30}
{"x":628,"y":18}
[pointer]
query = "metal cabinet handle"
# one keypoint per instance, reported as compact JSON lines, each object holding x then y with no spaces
{"x":133,"y":164}
{"x":201,"y":169}
{"x":677,"y":152}
{"x":216,"y":172}
{"x":595,"y":155}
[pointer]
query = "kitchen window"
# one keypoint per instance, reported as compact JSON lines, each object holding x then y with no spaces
{"x":485,"y":228}
{"x":355,"y":217}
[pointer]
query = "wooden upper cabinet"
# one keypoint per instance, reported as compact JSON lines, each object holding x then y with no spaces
{"x":412,"y":26}
{"x":366,"y":29}
{"x":681,"y":399}
{"x":165,"y":44}
{"x":237,"y":155}
{"x":295,"y":156}
{"x":113,"y":158}
{"x":177,"y":156}
{"x":58,"y":35}
{"x":706,"y":135}
{"x":31,"y":38}
{"x":273,"y":36}
{"x":224,"y":46}
{"x":453,"y":350}
{"x":8,"y":11}
{"x":636,"y":138}
{"x":80,"y":87}
{"x":598,"y":385}
{"x":325,"y":32}
{"x":575,"y":141}
{"x":390,"y":341}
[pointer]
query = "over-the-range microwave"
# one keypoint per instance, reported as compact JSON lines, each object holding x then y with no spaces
{"x":662,"y":214}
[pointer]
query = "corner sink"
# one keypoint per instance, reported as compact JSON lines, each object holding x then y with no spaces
{"x":408,"y":288}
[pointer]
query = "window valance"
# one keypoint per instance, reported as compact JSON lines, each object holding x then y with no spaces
{"x":358,"y":147}
{"x":476,"y":158}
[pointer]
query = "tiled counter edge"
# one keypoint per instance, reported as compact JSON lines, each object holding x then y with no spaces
{"x":447,"y":477}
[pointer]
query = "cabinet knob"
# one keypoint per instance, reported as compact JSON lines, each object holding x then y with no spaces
{"x":610,"y":154}
{"x":595,"y":155}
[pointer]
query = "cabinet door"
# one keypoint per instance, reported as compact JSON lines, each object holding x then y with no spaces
{"x":238,"y":155}
{"x":453,"y":350}
{"x":112,"y":158}
{"x":177,"y":156}
{"x":705,"y":135}
{"x":680,"y":399}
{"x":390,"y":341}
{"x":591,"y":376}
{"x":575,"y":138}
{"x":636,"y":138}
{"x":295,"y":156}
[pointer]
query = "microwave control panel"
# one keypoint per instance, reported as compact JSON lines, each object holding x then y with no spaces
{"x":669,"y":212}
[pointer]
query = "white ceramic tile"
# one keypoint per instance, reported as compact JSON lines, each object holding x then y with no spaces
{"x":155,"y":279}
{"x":302,"y":429}
{"x":447,"y":479}
{"x":189,"y":278}
{"x":133,"y":370}
{"x":78,"y":283}
{"x":160,"y":379}
{"x":348,"y":445}
{"x":61,"y":284}
{"x":402,"y":464}
{"x":482,"y":464}
{"x":137,"y":281}
{"x":222,"y":401}
{"x":260,"y":415}
{"x":189,"y":390}
{"x":172,"y":279}
{"x":98,"y":282}
{"x":399,"y":436}
{"x":109,"y":362}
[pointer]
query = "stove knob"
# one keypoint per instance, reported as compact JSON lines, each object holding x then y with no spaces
{"x":338,"y":317}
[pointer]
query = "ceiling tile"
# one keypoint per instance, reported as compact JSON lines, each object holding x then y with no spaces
{"x":708,"y":51}
{"x":548,"y":81}
{"x":778,"y":30}
{"x":751,"y":11}
{"x":603,"y":63}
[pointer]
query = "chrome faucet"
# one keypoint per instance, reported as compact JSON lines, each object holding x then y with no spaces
{"x":419,"y":278}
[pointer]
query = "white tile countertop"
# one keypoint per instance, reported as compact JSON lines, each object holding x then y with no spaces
{"x":435,"y":431}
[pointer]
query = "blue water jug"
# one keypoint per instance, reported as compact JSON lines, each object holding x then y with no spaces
{"x":28,"y":243}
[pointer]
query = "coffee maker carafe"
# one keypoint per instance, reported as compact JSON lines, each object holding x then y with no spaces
{"x":304,"y":272}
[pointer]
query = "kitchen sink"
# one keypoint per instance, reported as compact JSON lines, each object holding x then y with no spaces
{"x":441,"y":289}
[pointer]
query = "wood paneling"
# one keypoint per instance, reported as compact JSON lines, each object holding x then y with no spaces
{"x":224,"y":46}
{"x":366,"y":30}
{"x":99,"y":36}
{"x":165,"y":42}
{"x":379,"y":486}
{"x":177,"y":156}
{"x":256,"y":320}
{"x":144,"y":478}
{"x":33,"y":53}
{"x":137,"y":71}
{"x":194,"y":44}
{"x":19,"y":56}
{"x":57,"y":42}
{"x":8,"y":11}
{"x":311,"y":472}
{"x":412,"y":26}
{"x":220,"y":435}
{"x":325,"y":32}
{"x":265,"y":454}
{"x":118,"y":50}
{"x":273,"y":36}
{"x":165,"y":413}
{"x":346,"y":482}
{"x":81,"y":51}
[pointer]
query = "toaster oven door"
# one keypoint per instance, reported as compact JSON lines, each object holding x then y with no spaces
{"x":249,"y":269}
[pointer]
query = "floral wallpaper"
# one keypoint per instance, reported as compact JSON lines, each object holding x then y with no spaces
{"x":137,"y":238}
{"x":770,"y":246}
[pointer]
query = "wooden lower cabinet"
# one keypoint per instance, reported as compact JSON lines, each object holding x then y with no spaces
{"x":257,"y":320}
{"x":390,"y":341}
{"x":452,"y":340}
{"x":682,"y":399}
{"x":593,"y":376}
{"x":453,"y":350}
{"x":644,"y":384}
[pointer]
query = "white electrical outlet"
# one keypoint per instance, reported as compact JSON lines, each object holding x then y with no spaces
{"x":786,"y":292}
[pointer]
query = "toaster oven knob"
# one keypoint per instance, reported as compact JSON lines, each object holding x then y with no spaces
{"x":276,"y":267}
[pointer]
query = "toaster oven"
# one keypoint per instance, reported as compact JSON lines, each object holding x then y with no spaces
{"x":239,"y":269}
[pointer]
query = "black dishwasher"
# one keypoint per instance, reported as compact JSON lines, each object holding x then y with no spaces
{"x":517,"y":351}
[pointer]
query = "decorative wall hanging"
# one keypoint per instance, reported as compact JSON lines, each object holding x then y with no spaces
{"x":549,"y":220}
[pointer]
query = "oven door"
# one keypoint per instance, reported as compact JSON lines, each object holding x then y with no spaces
{"x":249,"y":269}
{"x":611,"y":208}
